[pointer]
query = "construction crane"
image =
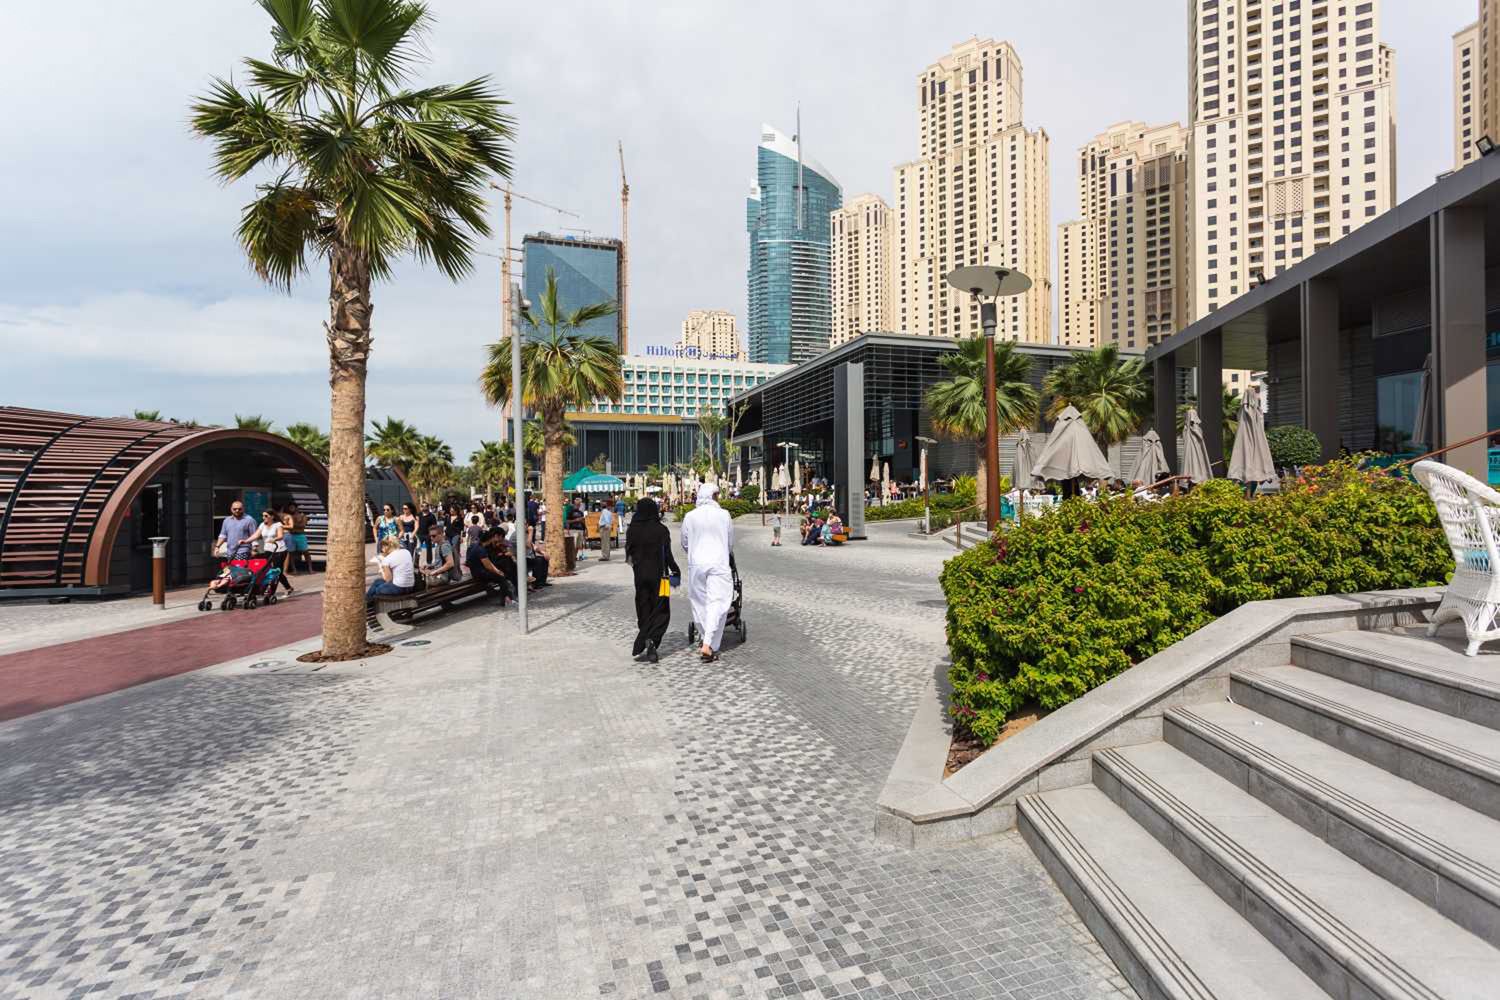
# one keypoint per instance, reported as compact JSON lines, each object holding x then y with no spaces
{"x":624,"y":252}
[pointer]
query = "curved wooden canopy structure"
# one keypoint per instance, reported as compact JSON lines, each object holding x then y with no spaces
{"x":67,"y":483}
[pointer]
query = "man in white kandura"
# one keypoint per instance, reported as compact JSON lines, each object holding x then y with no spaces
{"x":708,"y":540}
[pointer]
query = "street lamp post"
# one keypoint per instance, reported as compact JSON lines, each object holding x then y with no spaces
{"x":986,"y":284}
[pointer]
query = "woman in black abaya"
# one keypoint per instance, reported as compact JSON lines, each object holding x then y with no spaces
{"x":648,"y":548}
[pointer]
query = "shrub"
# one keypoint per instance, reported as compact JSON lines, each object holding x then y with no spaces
{"x":1293,"y":445}
{"x":735,"y":507}
{"x":1062,"y":603}
{"x":750,"y":493}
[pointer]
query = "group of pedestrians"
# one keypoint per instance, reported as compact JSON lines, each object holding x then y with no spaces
{"x":280,"y":536}
{"x":707,"y":536}
{"x":442,"y":543}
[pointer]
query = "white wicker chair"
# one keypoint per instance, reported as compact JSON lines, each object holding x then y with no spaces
{"x":1470,"y":514}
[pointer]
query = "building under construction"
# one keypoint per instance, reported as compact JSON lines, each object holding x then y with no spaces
{"x":589,"y":270}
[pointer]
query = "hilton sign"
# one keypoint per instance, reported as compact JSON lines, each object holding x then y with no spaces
{"x":657,"y":351}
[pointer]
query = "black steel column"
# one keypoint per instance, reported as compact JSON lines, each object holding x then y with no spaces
{"x":1458,"y":338}
{"x":1164,"y":375}
{"x":1320,"y":362}
{"x":1211,"y":394}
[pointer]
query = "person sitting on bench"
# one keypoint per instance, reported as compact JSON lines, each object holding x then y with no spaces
{"x":484,"y":565}
{"x":397,"y":577}
{"x":440,"y":565}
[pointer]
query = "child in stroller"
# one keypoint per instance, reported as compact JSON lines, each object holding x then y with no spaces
{"x":242,"y":582}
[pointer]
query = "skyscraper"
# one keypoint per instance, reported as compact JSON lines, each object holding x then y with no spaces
{"x":711,"y":333}
{"x":588,"y":271}
{"x":1476,"y":83}
{"x":978,"y":194}
{"x":1124,"y":277}
{"x":1077,"y":323}
{"x":1293,"y":135}
{"x":786,"y":217}
{"x":861,"y":268}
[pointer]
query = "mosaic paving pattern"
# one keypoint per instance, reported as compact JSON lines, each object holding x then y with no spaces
{"x":457,"y":821}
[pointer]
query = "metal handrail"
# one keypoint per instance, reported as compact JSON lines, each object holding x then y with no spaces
{"x":1447,"y":448}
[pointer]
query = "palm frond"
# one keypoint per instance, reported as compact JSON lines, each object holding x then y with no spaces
{"x":246,"y":132}
{"x":275,"y":231}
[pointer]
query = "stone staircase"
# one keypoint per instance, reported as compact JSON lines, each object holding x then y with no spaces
{"x":974,"y":533}
{"x":1331,"y":830}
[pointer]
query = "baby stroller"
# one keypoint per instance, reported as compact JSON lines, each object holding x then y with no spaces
{"x":735,"y":619}
{"x":239,"y":582}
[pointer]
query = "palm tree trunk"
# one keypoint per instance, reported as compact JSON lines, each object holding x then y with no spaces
{"x":348,"y":331}
{"x":981,"y":482}
{"x":552,"y":491}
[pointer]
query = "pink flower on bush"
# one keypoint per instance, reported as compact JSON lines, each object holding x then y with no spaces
{"x":1077,"y":590}
{"x":984,"y":678}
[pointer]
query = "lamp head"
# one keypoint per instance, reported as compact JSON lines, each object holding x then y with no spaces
{"x":988,"y":282}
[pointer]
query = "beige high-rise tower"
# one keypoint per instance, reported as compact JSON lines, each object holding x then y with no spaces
{"x":1293,"y":136}
{"x":712,"y":333}
{"x":1468,"y":123}
{"x":1123,"y":267}
{"x":860,"y":261}
{"x":1077,"y":322}
{"x":978,"y":194}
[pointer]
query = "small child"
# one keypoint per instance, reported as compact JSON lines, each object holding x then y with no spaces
{"x":775,"y":529}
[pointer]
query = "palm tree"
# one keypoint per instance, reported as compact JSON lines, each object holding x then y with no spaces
{"x":493,"y":465}
{"x":362,"y":171}
{"x":957,"y":404}
{"x":153,"y":415}
{"x":561,"y":369}
{"x":431,"y":466}
{"x":254,"y":422}
{"x":1113,"y":398}
{"x":310,"y":439}
{"x":394,"y":443}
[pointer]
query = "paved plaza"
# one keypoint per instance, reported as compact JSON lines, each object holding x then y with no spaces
{"x":484,"y":816}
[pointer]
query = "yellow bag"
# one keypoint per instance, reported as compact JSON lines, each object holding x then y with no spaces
{"x":666,"y":588}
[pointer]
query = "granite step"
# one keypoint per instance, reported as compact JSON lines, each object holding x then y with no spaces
{"x":1456,"y":758}
{"x":1439,"y":851}
{"x":1169,"y":934}
{"x":1405,"y":664}
{"x":1349,"y":930}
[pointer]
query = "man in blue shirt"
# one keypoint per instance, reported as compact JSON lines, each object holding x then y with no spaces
{"x":237,"y":527}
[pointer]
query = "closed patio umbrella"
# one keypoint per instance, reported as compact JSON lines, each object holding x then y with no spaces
{"x":1071,"y":452}
{"x":1250,"y":462}
{"x":1421,"y":432}
{"x":885,"y":483}
{"x":1151,"y":464}
{"x":1195,"y":463}
{"x":874,"y":468}
{"x":1020,"y":472}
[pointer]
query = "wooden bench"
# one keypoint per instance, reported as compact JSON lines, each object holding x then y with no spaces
{"x":392,"y":615}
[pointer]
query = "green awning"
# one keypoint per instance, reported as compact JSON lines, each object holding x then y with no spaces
{"x":586,"y":480}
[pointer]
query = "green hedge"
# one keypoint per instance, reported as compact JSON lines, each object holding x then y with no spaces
{"x":1062,"y":603}
{"x":735,"y":508}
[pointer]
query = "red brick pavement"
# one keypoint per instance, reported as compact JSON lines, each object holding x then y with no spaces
{"x":37,"y":679}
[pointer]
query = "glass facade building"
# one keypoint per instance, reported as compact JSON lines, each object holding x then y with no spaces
{"x":786,"y":217}
{"x":588,"y":271}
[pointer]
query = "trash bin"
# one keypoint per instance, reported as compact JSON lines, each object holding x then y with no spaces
{"x":570,"y":550}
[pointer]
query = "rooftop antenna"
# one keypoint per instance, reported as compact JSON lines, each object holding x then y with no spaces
{"x":798,"y":137}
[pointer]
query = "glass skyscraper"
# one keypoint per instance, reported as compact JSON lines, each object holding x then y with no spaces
{"x":789,"y":297}
{"x":588,"y":271}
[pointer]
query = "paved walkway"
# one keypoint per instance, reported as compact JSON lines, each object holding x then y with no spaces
{"x":485,"y":816}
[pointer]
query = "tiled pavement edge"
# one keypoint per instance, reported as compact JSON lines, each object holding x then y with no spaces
{"x":455,"y":820}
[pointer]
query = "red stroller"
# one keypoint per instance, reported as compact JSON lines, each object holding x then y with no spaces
{"x":241,"y":581}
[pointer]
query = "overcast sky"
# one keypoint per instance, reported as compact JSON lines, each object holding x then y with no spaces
{"x":122,"y":287}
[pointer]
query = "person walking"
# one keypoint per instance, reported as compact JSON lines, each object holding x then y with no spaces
{"x":648,"y":549}
{"x":236,"y":531}
{"x":272,"y":537}
{"x":408,"y":536}
{"x":294,"y":522}
{"x":708,"y":540}
{"x":387,"y":525}
{"x":606,"y":531}
{"x":776,"y":530}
